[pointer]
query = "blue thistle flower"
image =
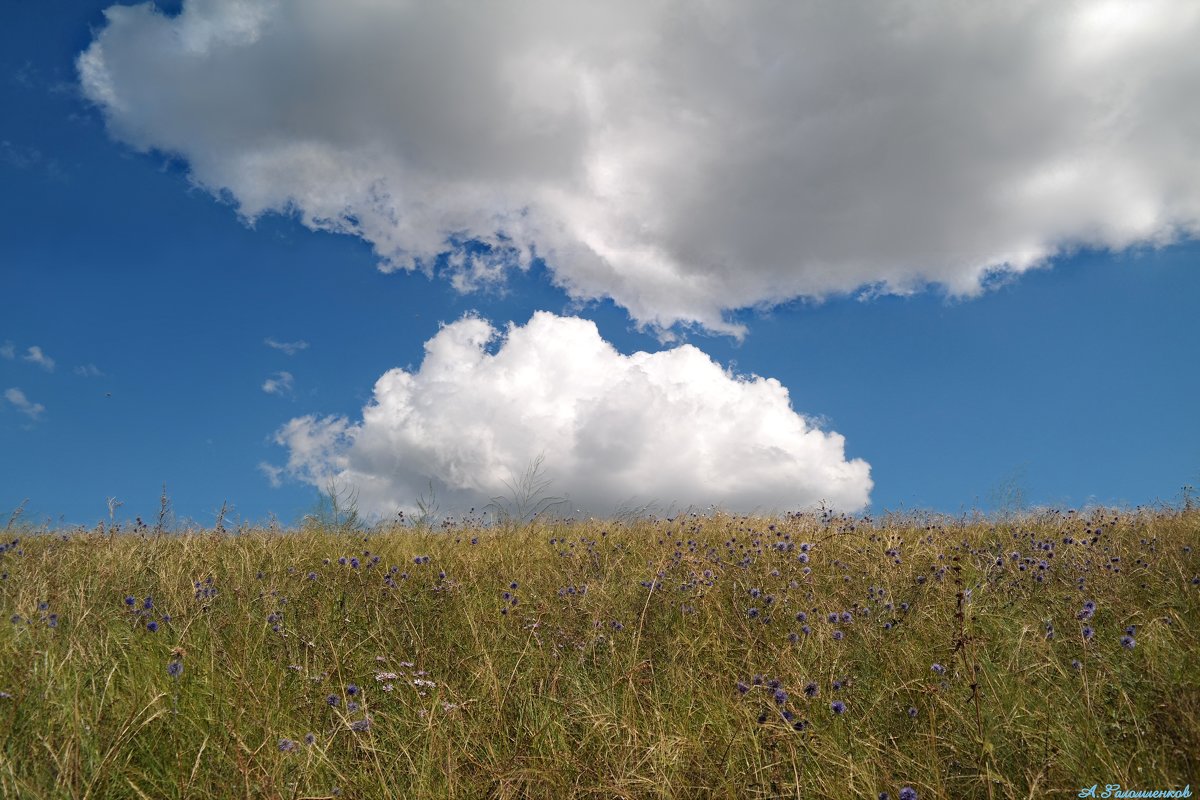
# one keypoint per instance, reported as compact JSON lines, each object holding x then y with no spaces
{"x":780,"y":697}
{"x":1128,"y":642}
{"x":333,"y":700}
{"x":152,"y":626}
{"x":360,"y":725}
{"x":175,"y":669}
{"x":939,"y":669}
{"x":912,"y":712}
{"x":310,"y":739}
{"x":908,"y":793}
{"x":838,"y":707}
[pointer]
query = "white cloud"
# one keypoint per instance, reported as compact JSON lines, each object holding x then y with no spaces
{"x":273,"y":474}
{"x":681,"y":159}
{"x":8,"y":351}
{"x":89,"y":371}
{"x":290,"y":348}
{"x":669,"y":428}
{"x":35,"y":356}
{"x":22,"y":403}
{"x":280,"y":383}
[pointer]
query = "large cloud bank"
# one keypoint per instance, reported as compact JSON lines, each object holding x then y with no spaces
{"x":669,"y":428}
{"x":680,"y":158}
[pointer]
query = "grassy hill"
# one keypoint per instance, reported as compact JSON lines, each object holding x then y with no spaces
{"x":799,"y":656}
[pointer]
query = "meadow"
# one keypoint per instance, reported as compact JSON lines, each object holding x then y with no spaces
{"x":804,"y":655}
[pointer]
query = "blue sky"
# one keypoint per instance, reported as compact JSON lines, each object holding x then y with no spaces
{"x":1073,"y":379}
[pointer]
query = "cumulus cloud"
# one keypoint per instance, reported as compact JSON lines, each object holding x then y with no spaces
{"x":8,"y":351}
{"x":289,"y":348}
{"x":280,"y":383}
{"x":671,"y":428}
{"x":682,"y":159}
{"x":89,"y":371}
{"x":273,"y":474}
{"x":35,"y":356}
{"x":23,"y":404}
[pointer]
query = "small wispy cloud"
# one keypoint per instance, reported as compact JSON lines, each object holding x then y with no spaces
{"x":23,"y":404}
{"x":89,"y":371}
{"x":291,"y":348}
{"x":8,"y":350}
{"x":280,"y":383}
{"x":274,"y":474}
{"x":34,"y":355}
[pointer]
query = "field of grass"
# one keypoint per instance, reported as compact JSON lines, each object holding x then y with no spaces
{"x":800,"y":656}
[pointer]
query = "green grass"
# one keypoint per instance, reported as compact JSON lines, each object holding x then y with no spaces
{"x":622,"y":691}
